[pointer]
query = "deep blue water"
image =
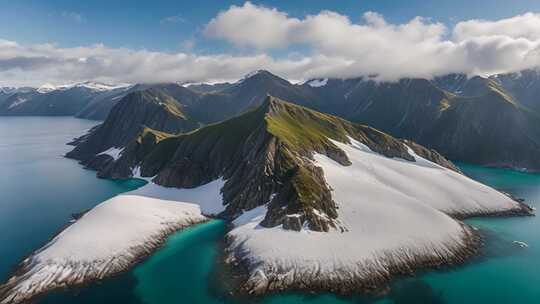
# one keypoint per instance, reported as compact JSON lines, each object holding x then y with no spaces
{"x":39,"y":190}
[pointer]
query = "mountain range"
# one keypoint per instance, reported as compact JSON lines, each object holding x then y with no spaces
{"x":91,"y":100}
{"x":488,"y":121}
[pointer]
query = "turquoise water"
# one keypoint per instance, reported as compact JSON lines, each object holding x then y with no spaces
{"x":40,"y":190}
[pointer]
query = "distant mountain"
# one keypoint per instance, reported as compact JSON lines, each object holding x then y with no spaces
{"x":207,"y":88}
{"x":90,"y":100}
{"x":523,"y":86}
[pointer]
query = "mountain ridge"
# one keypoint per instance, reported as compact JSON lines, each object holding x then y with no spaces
{"x":255,"y":152}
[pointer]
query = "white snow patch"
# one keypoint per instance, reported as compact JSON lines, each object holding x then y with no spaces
{"x":393,"y":210}
{"x":106,"y":240}
{"x":113,"y":152}
{"x":46,"y":88}
{"x":316,"y":83}
{"x":208,"y":197}
{"x":94,"y":86}
{"x":19,"y":101}
{"x":112,"y":236}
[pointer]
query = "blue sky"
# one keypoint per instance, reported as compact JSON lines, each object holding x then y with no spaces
{"x":144,"y":24}
{"x":59,"y":41}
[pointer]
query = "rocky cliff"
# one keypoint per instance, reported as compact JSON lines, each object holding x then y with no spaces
{"x":128,"y":120}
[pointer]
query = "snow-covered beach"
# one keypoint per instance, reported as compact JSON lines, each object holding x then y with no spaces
{"x":107,"y":240}
{"x":396,"y":216}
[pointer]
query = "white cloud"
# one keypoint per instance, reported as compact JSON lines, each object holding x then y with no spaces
{"x":38,"y":64}
{"x":336,"y":47}
{"x":525,"y":26}
{"x":251,"y":25}
{"x":418,"y":48}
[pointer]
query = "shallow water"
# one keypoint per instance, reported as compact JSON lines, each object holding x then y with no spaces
{"x":40,"y":190}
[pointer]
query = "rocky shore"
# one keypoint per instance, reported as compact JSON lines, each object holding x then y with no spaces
{"x":367,"y":278}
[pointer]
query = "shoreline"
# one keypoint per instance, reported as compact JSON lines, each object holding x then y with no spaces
{"x":370,"y":281}
{"x":376,"y":284}
{"x":238,"y":270}
{"x":140,"y":258}
{"x":9,"y":290}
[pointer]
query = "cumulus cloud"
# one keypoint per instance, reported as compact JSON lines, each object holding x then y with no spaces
{"x":336,"y":47}
{"x":418,"y":48}
{"x":251,"y":25}
{"x":525,"y":26}
{"x":37,"y":64}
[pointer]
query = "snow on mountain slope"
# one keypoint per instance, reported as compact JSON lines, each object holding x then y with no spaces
{"x":94,"y":86}
{"x":110,"y":238}
{"x":46,"y":88}
{"x":113,"y":152}
{"x":393,"y":211}
{"x":207,"y":197}
{"x":17,"y":102}
{"x":316,"y":83}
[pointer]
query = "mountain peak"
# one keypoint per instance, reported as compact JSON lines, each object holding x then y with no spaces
{"x":46,"y":88}
{"x":259,"y":75}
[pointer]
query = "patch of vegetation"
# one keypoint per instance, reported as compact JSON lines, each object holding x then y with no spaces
{"x":303,"y":129}
{"x":159,"y":135}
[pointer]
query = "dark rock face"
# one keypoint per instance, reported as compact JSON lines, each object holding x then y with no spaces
{"x":431,"y":155}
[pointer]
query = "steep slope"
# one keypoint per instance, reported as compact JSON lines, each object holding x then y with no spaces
{"x":135,"y":112}
{"x":523,"y":86}
{"x":454,"y":83}
{"x":101,"y":103}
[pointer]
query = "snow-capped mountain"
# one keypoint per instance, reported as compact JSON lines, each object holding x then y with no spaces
{"x":85,"y":99}
{"x":95,"y":86}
